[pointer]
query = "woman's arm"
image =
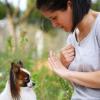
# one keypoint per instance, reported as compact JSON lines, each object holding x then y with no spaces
{"x":87,"y":79}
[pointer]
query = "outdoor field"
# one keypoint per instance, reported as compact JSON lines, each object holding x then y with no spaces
{"x":27,"y":36}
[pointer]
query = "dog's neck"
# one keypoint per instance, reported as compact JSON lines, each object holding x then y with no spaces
{"x":6,"y":92}
{"x":7,"y":88}
{"x":23,"y":91}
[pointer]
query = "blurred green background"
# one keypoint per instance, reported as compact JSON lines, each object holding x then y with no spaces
{"x":26,"y":35}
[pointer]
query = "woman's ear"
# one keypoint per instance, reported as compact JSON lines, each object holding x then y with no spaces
{"x":69,"y":3}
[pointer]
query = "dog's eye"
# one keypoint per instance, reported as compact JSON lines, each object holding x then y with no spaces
{"x":26,"y":78}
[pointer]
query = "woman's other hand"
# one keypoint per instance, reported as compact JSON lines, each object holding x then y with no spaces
{"x":56,"y":65}
{"x":67,"y":55}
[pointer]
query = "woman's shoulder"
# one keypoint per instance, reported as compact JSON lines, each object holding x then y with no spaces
{"x":97,"y":29}
{"x":94,"y":13}
{"x":97,"y":26}
{"x":97,"y":17}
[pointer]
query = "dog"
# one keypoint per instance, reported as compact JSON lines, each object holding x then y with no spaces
{"x":19,"y":86}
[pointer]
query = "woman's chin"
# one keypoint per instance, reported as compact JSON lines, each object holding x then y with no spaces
{"x":66,"y":30}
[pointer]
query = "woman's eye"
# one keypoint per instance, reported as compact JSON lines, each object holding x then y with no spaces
{"x":54,"y":18}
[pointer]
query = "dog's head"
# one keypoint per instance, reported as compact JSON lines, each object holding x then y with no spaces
{"x":19,"y":77}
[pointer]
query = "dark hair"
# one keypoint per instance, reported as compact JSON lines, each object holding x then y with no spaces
{"x":80,"y":8}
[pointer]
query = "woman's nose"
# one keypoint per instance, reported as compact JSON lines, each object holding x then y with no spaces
{"x":55,"y":24}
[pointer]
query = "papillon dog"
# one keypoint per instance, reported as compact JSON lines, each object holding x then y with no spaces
{"x":19,"y":86}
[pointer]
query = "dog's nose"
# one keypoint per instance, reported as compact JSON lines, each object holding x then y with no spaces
{"x":33,"y":84}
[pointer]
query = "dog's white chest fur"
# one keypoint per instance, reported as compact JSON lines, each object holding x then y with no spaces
{"x":25,"y":93}
{"x":6,"y":94}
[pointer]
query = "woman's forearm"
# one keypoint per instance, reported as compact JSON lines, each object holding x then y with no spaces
{"x":87,"y":79}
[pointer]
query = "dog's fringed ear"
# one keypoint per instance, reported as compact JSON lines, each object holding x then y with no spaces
{"x":20,"y":63}
{"x":15,"y":68}
{"x":13,"y":80}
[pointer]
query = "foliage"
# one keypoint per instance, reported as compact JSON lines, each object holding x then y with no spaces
{"x":96,"y":6}
{"x":2,"y":10}
{"x":48,"y":85}
{"x":51,"y":87}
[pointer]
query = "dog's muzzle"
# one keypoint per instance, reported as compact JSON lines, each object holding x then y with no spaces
{"x":30,"y":84}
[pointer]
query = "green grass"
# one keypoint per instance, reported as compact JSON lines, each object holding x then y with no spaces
{"x":48,"y":85}
{"x":51,"y":87}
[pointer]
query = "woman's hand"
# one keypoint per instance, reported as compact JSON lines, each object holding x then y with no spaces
{"x":56,"y":65}
{"x":67,"y":55}
{"x":87,"y":79}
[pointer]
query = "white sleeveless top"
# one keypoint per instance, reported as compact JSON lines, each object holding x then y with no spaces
{"x":87,"y":59}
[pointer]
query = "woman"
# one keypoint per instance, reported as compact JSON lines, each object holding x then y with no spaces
{"x":80,"y":59}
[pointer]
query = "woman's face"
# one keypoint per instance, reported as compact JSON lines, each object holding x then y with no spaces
{"x":61,"y":19}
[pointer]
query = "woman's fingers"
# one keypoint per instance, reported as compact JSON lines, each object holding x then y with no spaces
{"x":50,"y":64}
{"x":68,"y":51}
{"x":67,"y":47}
{"x":56,"y":65}
{"x":67,"y":55}
{"x":55,"y":62}
{"x":51,"y":60}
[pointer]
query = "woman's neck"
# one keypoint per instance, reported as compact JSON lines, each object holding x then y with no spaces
{"x":86,"y":24}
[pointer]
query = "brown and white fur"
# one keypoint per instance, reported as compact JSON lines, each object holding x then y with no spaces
{"x":19,"y":85}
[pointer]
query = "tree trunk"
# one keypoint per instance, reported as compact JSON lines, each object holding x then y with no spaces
{"x":12,"y":31}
